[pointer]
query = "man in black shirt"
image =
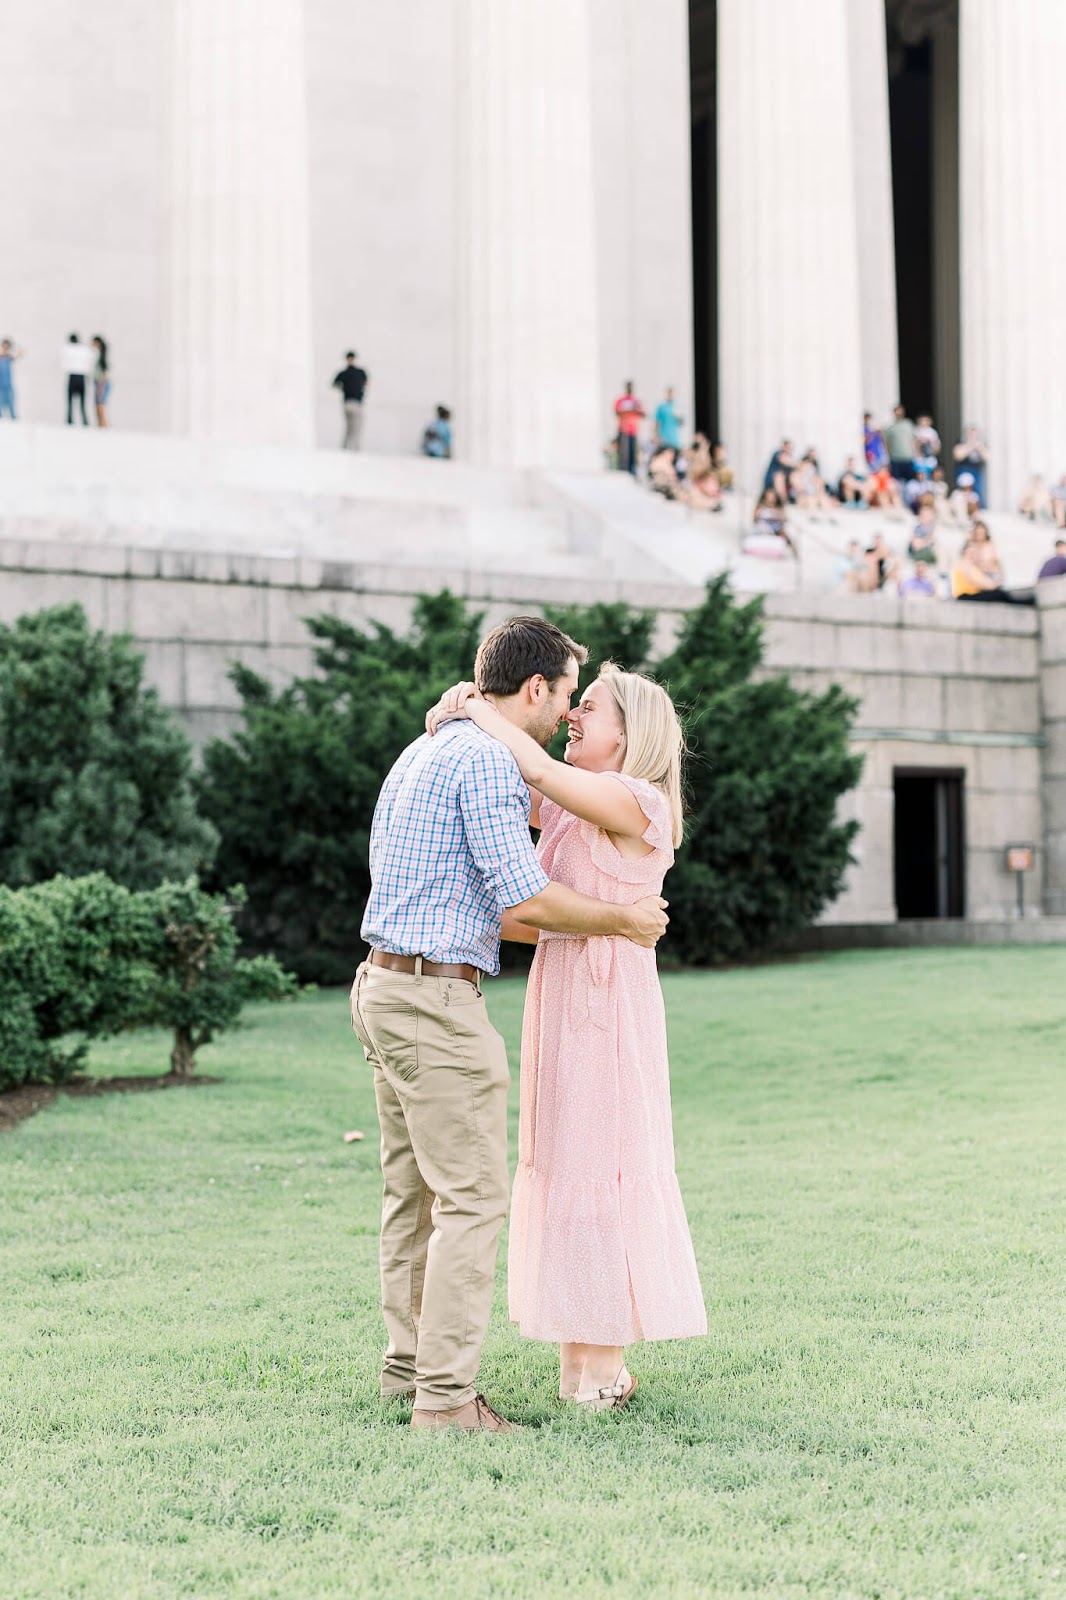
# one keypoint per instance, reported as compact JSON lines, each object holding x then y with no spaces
{"x":351,"y":381}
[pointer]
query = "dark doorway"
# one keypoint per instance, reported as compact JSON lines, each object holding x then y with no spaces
{"x":923,"y":103}
{"x":703,"y":32}
{"x":929,"y":844}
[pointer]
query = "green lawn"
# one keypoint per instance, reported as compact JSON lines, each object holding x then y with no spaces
{"x":871,"y":1148}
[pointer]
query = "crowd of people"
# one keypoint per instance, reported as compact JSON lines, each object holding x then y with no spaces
{"x":696,"y":475}
{"x":902,"y":474}
{"x":80,"y":364}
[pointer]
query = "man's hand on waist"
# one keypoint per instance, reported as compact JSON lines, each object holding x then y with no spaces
{"x":647,"y":920}
{"x":558,"y":909}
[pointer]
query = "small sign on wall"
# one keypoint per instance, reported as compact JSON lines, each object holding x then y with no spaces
{"x":1020,"y":861}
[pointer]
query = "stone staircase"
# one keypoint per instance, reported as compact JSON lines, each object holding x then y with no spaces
{"x":84,"y":497}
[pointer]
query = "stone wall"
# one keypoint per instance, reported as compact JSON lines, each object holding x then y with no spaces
{"x":980,"y":690}
{"x":940,"y":686}
{"x":1052,"y":597}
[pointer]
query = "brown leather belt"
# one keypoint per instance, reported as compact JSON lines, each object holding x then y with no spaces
{"x":432,"y":969}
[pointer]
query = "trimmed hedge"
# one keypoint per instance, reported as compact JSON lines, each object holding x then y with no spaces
{"x":81,"y":958}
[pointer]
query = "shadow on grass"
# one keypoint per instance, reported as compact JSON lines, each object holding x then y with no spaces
{"x":29,"y":1098}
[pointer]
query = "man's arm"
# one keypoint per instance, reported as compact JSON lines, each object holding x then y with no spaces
{"x":558,"y":909}
{"x":516,"y":932}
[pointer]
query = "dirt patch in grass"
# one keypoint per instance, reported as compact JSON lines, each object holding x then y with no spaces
{"x":29,"y":1098}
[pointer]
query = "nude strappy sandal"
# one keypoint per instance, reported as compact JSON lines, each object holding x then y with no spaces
{"x":611,"y":1398}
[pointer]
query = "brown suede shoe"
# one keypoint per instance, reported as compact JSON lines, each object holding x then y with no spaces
{"x":477,"y":1416}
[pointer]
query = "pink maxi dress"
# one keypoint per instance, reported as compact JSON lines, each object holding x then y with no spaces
{"x":600,"y":1250}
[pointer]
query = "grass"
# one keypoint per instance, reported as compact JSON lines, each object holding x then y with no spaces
{"x":871,"y":1150}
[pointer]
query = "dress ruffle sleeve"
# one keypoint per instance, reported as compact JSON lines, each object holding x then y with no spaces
{"x":659,"y":834}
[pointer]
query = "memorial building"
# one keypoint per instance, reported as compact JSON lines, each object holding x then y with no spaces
{"x":790,"y":213}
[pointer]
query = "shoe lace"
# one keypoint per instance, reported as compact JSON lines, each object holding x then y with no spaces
{"x":484,"y":1407}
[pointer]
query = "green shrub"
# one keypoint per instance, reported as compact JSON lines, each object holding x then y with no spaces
{"x":199,"y":985}
{"x":71,"y":969}
{"x":764,"y":853}
{"x":293,"y":793}
{"x":95,"y":775}
{"x":81,"y":958}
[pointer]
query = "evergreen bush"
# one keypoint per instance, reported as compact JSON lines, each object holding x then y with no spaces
{"x":95,"y":774}
{"x":293,"y":793}
{"x":85,"y":957}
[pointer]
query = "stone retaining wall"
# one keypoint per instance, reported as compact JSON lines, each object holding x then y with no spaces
{"x":981,"y":690}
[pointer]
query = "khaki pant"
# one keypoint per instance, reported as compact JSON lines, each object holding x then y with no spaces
{"x":441,"y":1081}
{"x":353,"y":425}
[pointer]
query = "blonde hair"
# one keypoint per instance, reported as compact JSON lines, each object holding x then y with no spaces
{"x":654,"y":740}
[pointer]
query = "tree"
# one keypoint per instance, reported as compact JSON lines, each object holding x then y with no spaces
{"x":82,"y":958}
{"x":95,"y":775}
{"x":293,"y":793}
{"x":763,"y":852}
{"x":199,"y":986}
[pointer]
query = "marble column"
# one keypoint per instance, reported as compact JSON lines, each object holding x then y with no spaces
{"x":527,"y":346}
{"x":789,"y":293}
{"x":239,"y":288}
{"x":1012,"y":154}
{"x":873,"y":205}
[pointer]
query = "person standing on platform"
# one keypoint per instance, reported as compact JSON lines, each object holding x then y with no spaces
{"x":101,"y":380}
{"x":900,"y":437}
{"x":668,"y":420}
{"x":9,"y":354}
{"x":351,"y":381}
{"x":78,"y":363}
{"x":971,"y":454}
{"x":630,"y":413}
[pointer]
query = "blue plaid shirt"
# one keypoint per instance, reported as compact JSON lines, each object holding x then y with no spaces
{"x":449,"y":848}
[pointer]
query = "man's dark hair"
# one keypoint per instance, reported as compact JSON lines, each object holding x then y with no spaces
{"x":519,"y":649}
{"x":349,"y":355}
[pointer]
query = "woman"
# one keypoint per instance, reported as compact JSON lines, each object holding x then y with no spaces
{"x":600,"y":1254}
{"x":978,"y":573}
{"x":662,"y":472}
{"x":101,"y":380}
{"x":9,"y":354}
{"x":769,"y":536}
{"x":808,"y":486}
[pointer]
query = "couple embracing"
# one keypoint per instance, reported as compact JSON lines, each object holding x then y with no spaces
{"x":600,"y":1255}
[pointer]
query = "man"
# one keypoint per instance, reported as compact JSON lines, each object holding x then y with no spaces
{"x":668,"y":420}
{"x":630,"y":413}
{"x":900,"y":442}
{"x":927,"y":448}
{"x":77,"y":361}
{"x":921,"y":582}
{"x":851,"y":490}
{"x":449,"y":851}
{"x":351,"y":381}
{"x":1054,"y":566}
{"x":779,"y":472}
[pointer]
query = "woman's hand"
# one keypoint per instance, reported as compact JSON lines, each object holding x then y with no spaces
{"x":451,"y":706}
